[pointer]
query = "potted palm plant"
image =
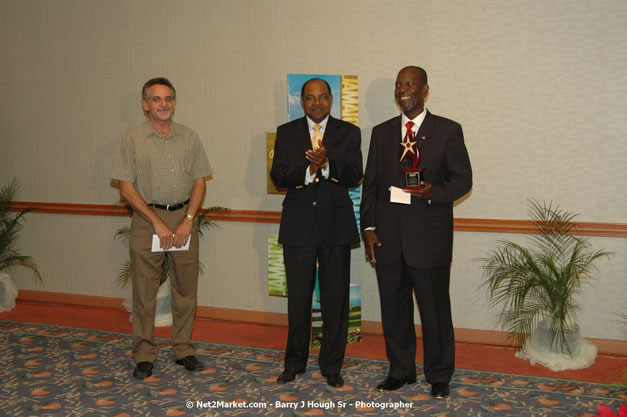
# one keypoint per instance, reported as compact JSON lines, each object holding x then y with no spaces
{"x":10,"y":257}
{"x":163,"y":312}
{"x":537,"y":286}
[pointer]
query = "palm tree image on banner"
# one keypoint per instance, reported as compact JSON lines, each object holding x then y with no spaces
{"x":354,"y":317}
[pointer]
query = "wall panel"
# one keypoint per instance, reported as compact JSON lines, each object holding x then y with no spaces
{"x":538,"y":87}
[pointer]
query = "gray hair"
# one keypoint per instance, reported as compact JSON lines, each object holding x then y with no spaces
{"x":157,"y":81}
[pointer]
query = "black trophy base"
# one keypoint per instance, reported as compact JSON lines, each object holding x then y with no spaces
{"x":413,"y":179}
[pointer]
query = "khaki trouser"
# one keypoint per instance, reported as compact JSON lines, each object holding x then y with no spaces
{"x":146,"y":270}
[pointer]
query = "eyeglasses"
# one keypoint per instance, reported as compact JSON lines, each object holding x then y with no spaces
{"x":322,"y":97}
{"x":157,"y":99}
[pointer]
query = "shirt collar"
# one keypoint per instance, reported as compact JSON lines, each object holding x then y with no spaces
{"x":323,"y":123}
{"x":417,"y":120}
{"x":150,"y":129}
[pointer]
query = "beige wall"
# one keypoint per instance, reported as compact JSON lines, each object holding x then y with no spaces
{"x":539,"y":88}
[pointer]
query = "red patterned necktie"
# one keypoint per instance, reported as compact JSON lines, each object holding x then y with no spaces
{"x":410,"y":150}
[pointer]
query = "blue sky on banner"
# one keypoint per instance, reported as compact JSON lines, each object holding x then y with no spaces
{"x":354,"y":300}
{"x":295,"y":83}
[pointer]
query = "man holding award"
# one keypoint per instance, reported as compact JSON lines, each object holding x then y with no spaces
{"x":417,"y":167}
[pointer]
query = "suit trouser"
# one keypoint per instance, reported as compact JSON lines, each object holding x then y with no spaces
{"x":334,"y":281}
{"x":431,"y":286}
{"x":146,"y":270}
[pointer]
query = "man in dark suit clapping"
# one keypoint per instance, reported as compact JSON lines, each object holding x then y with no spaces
{"x":317,"y":158}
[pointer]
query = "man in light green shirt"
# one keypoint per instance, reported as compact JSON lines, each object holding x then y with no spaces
{"x":161,"y":168}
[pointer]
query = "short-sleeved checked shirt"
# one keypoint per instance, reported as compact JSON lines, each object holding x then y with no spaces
{"x":162,"y":170}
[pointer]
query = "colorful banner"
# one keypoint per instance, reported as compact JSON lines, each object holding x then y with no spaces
{"x":271,"y":188}
{"x":354,"y":317}
{"x":277,"y":282}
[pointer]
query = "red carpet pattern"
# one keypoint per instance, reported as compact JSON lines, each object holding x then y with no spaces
{"x":48,"y":370}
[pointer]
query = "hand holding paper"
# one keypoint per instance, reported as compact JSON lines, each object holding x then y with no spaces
{"x":398,"y":195}
{"x":156,"y":245}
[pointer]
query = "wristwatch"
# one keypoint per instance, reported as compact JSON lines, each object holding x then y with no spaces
{"x":189,"y":217}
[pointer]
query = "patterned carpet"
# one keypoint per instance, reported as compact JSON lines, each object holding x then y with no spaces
{"x":50,"y":370}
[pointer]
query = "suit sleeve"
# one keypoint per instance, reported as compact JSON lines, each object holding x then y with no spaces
{"x":458,"y":180}
{"x":369,"y":190}
{"x":287,"y":172}
{"x":348,"y":171}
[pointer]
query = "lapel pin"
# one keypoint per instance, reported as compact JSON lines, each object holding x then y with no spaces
{"x":424,"y":138}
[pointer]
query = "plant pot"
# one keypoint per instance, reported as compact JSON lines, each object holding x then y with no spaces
{"x":539,"y":349}
{"x":163,"y":310}
{"x":8,"y":292}
{"x":543,"y":338}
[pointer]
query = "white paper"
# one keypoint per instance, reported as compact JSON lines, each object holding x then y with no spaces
{"x":156,"y":245}
{"x":398,"y":195}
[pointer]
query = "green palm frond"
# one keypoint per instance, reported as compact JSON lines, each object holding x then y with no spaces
{"x":10,"y":227}
{"x":125,"y":275}
{"x":165,"y":270}
{"x":123,"y":234}
{"x":205,"y":224}
{"x":542,"y":280}
{"x":7,"y":194}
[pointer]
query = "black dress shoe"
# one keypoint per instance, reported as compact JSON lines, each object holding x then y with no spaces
{"x":440,"y":390}
{"x":392,"y":384}
{"x":143,"y":370}
{"x":288,"y":376}
{"x":335,"y":380}
{"x":191,"y":363}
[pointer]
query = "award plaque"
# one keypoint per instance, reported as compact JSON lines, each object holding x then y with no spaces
{"x":413,"y":178}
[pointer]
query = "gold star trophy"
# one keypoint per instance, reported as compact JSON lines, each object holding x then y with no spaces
{"x":414,"y":176}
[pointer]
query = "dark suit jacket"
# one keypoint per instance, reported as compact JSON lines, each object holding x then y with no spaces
{"x":422,"y":232}
{"x":325,"y":201}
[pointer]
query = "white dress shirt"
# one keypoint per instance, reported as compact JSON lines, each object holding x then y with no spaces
{"x":417,"y":123}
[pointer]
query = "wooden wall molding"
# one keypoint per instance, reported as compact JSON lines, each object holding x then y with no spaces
{"x":252,"y":216}
{"x":483,"y":337}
